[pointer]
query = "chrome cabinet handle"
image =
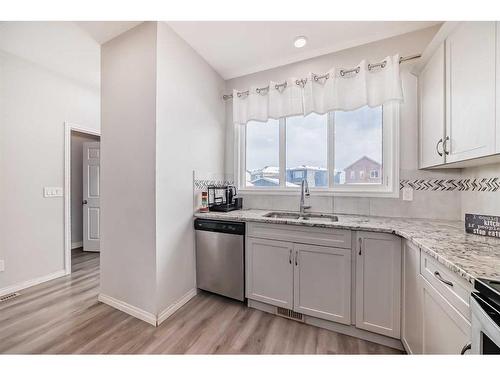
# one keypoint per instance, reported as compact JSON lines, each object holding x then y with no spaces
{"x":465,"y":348}
{"x":290,"y":257}
{"x":445,"y":149}
{"x":296,"y":258}
{"x":360,"y":240}
{"x":437,"y":147}
{"x":440,"y":278}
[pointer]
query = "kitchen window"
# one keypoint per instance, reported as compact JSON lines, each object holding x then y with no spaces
{"x":353,"y":153}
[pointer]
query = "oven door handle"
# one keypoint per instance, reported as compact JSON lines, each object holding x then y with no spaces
{"x":466,"y":348}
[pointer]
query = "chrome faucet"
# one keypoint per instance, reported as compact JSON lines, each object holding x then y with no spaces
{"x":304,"y":192}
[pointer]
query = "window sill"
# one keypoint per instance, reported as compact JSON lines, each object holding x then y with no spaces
{"x":322,"y":192}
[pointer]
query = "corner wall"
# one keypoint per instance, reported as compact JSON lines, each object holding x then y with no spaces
{"x":128,"y":162}
{"x":190,"y":136}
{"x":162,"y":118}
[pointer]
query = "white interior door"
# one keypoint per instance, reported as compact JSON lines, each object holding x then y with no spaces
{"x":91,"y":196}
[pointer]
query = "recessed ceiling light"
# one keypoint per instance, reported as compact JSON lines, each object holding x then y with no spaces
{"x":300,"y":41}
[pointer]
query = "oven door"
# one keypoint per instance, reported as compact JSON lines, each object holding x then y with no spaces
{"x":485,"y":331}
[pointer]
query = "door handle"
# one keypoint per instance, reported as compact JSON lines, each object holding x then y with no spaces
{"x":360,"y":240}
{"x":290,"y":257}
{"x":296,"y":258}
{"x":465,"y":348}
{"x":84,"y":202}
{"x":437,"y":147}
{"x":445,"y":149}
{"x":440,"y":278}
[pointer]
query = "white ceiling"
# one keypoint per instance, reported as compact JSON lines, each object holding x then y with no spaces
{"x":102,"y":31}
{"x":235,"y":48}
{"x":68,"y":48}
{"x":61,"y":47}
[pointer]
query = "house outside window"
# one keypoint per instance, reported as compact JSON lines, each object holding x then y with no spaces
{"x":357,"y":171}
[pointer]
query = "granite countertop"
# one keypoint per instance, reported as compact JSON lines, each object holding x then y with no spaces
{"x":468,"y":255}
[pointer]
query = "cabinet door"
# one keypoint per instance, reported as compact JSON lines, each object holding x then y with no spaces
{"x":378,"y":283}
{"x":431,"y":82}
{"x":470,"y":70}
{"x":445,"y":330}
{"x":322,"y":282}
{"x":269,"y":272}
{"x":412,"y":300}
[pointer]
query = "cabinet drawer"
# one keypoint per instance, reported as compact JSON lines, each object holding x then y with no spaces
{"x":451,"y":286}
{"x":301,"y":234}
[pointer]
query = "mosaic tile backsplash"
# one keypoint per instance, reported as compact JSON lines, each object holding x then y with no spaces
{"x":465,"y":184}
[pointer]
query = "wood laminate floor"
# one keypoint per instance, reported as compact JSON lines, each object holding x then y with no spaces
{"x":64,"y":316}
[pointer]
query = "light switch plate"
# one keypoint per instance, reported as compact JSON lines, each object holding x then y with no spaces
{"x":50,"y":192}
{"x":407,"y":194}
{"x":2,"y":266}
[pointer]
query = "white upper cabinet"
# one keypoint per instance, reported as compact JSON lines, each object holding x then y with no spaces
{"x":378,"y":283}
{"x":471,"y":85}
{"x":458,"y":100}
{"x":432,"y":110}
{"x":322,"y":282}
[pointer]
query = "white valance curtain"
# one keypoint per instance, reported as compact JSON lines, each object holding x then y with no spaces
{"x":337,"y":90}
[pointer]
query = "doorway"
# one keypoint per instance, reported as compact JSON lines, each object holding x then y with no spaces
{"x":81,"y":198}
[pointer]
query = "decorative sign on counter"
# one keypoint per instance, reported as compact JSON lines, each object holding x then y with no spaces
{"x":483,"y":225}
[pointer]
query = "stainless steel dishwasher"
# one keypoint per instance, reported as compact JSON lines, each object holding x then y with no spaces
{"x":220,"y":257}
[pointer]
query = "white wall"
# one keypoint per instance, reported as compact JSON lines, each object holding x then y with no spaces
{"x":34,"y":104}
{"x":77,"y":141}
{"x":425,"y":204}
{"x":128,"y":144}
{"x":486,"y":203}
{"x":162,"y":118}
{"x":190,"y":136}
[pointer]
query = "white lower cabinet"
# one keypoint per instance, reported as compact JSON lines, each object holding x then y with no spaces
{"x":400,"y":292}
{"x":313,"y":280}
{"x":445,"y":330}
{"x":378,"y":283}
{"x":269,"y":272}
{"x":411,"y":334}
{"x":322,"y":282}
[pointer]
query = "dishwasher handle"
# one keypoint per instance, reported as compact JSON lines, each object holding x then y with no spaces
{"x":219,"y":226}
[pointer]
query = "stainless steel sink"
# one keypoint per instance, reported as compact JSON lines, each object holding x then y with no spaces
{"x":319,"y":217}
{"x":283,"y":215}
{"x":305,"y":217}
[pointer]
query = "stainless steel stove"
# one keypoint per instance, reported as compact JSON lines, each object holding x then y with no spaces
{"x":485,"y":309}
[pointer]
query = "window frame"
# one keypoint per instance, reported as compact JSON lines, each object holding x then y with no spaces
{"x":389,"y":188}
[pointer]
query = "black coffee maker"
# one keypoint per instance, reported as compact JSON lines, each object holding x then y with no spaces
{"x":223,"y":198}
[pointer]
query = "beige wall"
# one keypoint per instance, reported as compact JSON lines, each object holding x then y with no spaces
{"x":426,"y":204}
{"x":34,"y":104}
{"x":77,"y":141}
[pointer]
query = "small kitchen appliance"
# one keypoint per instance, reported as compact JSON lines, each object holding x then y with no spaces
{"x":223,"y":198}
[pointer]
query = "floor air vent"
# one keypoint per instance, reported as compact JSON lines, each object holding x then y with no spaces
{"x":289,"y":314}
{"x":8,"y":297}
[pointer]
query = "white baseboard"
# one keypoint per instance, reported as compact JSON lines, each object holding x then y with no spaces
{"x":127,"y":308}
{"x":176,"y":306}
{"x":76,"y":245}
{"x":26,"y":284}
